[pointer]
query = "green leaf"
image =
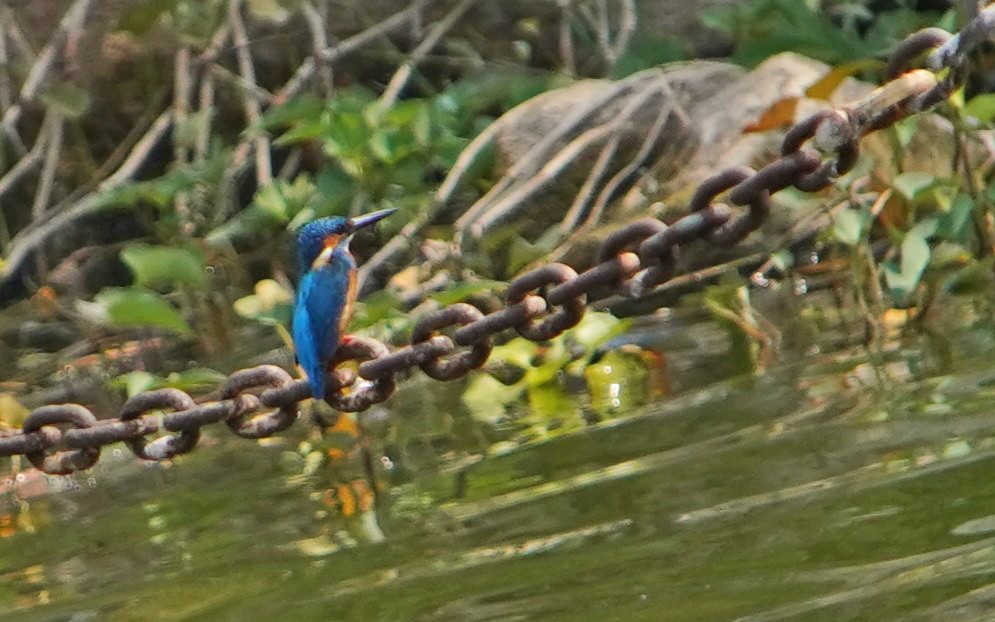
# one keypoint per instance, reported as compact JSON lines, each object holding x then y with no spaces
{"x":130,"y":307}
{"x":981,"y":107}
{"x":134,"y":382}
{"x":268,"y":10}
{"x":519,"y":352}
{"x":301,"y":132}
{"x":464,"y":290}
{"x":903,"y":279}
{"x":955,"y":224}
{"x":346,"y":135}
{"x":487,"y":398}
{"x":195,"y":379}
{"x":597,"y":328}
{"x":155,"y":266}
{"x":141,"y":15}
{"x":910,"y":184}
{"x":390,"y":146}
{"x":377,"y":307}
{"x":849,"y":226}
{"x":270,"y":304}
{"x":189,"y":380}
{"x":282,"y":200}
{"x":67,"y":99}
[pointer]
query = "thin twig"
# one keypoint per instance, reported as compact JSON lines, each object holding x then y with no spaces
{"x":540,"y":153}
{"x":627,"y":24}
{"x":205,"y":109}
{"x":21,"y":44}
{"x":611,"y":189}
{"x":403,"y":73}
{"x":64,"y":214}
{"x":347,"y":46}
{"x":319,"y":41}
{"x":23,"y":166}
{"x":53,"y":149}
{"x":579,"y":207}
{"x":6,"y":97}
{"x":71,"y":22}
{"x":567,"y":53}
{"x":182,"y":88}
{"x":247,"y":88}
{"x":253,"y":112}
{"x":533,"y":159}
{"x":517,"y":198}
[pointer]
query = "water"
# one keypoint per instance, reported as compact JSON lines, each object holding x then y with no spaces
{"x":841,"y":483}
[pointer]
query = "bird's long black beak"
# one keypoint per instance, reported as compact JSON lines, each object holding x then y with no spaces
{"x":368,"y":219}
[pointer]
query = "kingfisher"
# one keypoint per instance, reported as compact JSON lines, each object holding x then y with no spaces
{"x":326,"y":291}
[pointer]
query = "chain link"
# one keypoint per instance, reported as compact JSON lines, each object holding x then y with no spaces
{"x":540,"y":304}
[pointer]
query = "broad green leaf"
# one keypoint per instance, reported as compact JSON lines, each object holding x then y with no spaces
{"x":464,"y":290}
{"x":981,"y":107}
{"x":423,"y":127}
{"x":519,"y":352}
{"x":549,"y":401}
{"x":903,"y":279}
{"x":597,"y":328}
{"x":194,"y":379}
{"x":376,"y":307}
{"x":134,"y":307}
{"x":905,"y":130}
{"x":910,"y":184}
{"x":390,"y":146}
{"x":849,"y":226}
{"x":301,"y":132}
{"x":347,"y":134}
{"x":268,"y":10}
{"x":134,"y":382}
{"x":486,"y":397}
{"x":189,"y":380}
{"x":270,"y":304}
{"x":282,"y":200}
{"x":402,"y":115}
{"x":155,"y":266}
{"x":141,"y":15}
{"x":67,"y":99}
{"x":955,"y":224}
{"x":300,"y":109}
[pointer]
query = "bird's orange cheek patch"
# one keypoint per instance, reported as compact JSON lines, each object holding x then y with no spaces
{"x":325,"y":256}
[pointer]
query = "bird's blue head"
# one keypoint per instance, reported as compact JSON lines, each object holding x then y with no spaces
{"x":319,"y":239}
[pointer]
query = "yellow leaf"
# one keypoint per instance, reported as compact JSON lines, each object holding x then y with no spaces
{"x":12,"y":412}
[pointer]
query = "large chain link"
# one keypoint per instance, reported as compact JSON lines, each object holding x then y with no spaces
{"x":450,"y":342}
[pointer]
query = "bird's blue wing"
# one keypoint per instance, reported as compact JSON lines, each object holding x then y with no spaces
{"x":322,"y":296}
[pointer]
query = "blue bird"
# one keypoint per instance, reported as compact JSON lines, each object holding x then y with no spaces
{"x":326,"y":292}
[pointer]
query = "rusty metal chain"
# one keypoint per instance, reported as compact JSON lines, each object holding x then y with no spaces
{"x":450,"y":342}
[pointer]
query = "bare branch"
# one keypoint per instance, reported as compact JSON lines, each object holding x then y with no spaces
{"x":253,"y":112}
{"x":30,"y":238}
{"x":403,"y":74}
{"x":23,"y":166}
{"x":6,"y":97}
{"x":56,"y":126}
{"x":53,"y":149}
{"x":347,"y":46}
{"x":71,"y":22}
{"x":319,"y":38}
